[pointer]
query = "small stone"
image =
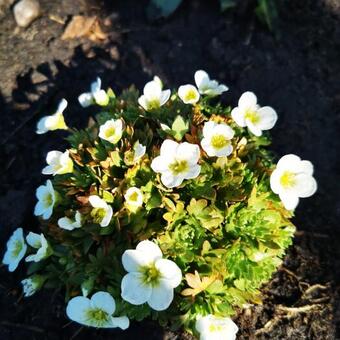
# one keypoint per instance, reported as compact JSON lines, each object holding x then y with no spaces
{"x":26,"y":11}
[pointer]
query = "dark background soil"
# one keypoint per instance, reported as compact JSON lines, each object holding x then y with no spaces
{"x":297,"y":72}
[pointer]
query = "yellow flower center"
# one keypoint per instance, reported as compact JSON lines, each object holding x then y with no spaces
{"x":190,"y":95}
{"x":97,"y":316}
{"x":151,"y":275}
{"x":98,"y":214}
{"x":215,"y":328}
{"x":287,"y":179}
{"x":133,"y":197}
{"x":179,"y":167}
{"x":17,"y":248}
{"x":48,"y":200}
{"x":219,"y":141}
{"x":110,"y":132}
{"x":252,"y":116}
{"x":153,"y":104}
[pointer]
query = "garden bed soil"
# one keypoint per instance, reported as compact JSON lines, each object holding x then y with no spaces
{"x":296,"y":71}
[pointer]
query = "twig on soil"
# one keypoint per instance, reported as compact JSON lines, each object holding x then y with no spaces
{"x":311,"y":289}
{"x":292,"y":311}
{"x":18,"y":325}
{"x":300,"y":233}
{"x":289,"y":272}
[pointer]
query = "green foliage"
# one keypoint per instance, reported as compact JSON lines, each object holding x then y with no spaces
{"x":161,"y":8}
{"x":225,"y":229}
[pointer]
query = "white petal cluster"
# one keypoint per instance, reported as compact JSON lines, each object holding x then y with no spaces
{"x":150,"y":279}
{"x":177,"y":162}
{"x":96,"y":95}
{"x":102,"y":212}
{"x":217,"y":139}
{"x":133,"y":199}
{"x":59,"y":163}
{"x":38,"y":242}
{"x":250,"y":114}
{"x":53,"y":122}
{"x":46,"y":199}
{"x":111,"y":131}
{"x":16,"y":250}
{"x":189,"y":94}
{"x":32,"y":284}
{"x":211,"y":327}
{"x":293,"y":178}
{"x":96,"y":312}
{"x":153,"y":95}
{"x":138,"y":151}
{"x":208,"y":87}
{"x":69,"y":223}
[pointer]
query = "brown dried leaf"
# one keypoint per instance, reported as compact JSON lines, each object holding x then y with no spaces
{"x":83,"y":26}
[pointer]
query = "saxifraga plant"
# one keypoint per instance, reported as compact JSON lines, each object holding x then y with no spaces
{"x":168,"y":206}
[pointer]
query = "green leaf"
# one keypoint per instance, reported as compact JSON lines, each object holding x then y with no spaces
{"x":161,"y":8}
{"x":267,"y":13}
{"x":179,"y":128}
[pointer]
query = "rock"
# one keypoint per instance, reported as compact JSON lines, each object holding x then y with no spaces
{"x":26,"y":11}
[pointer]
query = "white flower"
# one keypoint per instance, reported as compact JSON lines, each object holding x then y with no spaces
{"x":46,"y":199}
{"x":111,"y":131}
{"x":53,"y":122}
{"x":96,"y":312}
{"x":102,"y":212}
{"x":293,"y":178}
{"x":58,"y":163}
{"x":32,"y":284}
{"x":211,"y":327}
{"x":97,"y":95}
{"x":133,"y":199}
{"x":150,"y":278}
{"x":138,"y":151}
{"x":189,"y":94}
{"x":38,"y":242}
{"x":250,"y":114}
{"x":207,"y":86}
{"x":216,"y":139}
{"x":69,"y":223}
{"x":177,"y":162}
{"x":153,"y":97}
{"x":16,"y":250}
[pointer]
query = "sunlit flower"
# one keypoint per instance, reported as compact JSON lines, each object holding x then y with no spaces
{"x":207,"y":86}
{"x":102,"y":212}
{"x":293,"y":178}
{"x":16,"y":250}
{"x":58,"y":163}
{"x":177,"y":162}
{"x":150,"y":278}
{"x":97,"y":95}
{"x":38,"y":242}
{"x":96,"y":312}
{"x":153,"y":97}
{"x":111,"y":131}
{"x":216,"y":139}
{"x":250,"y":114}
{"x":46,"y":199}
{"x":32,"y":284}
{"x":53,"y":122}
{"x":189,"y":94}
{"x":138,"y":151}
{"x":211,"y":327}
{"x":70,"y":223}
{"x":133,"y":199}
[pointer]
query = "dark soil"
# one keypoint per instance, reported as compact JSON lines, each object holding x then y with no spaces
{"x":297,"y":72}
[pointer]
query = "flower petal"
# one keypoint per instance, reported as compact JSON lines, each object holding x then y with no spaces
{"x":150,"y":250}
{"x":289,"y":162}
{"x":306,"y":167}
{"x":171,"y":181}
{"x":121,"y":322}
{"x":34,"y":240}
{"x":97,"y":202}
{"x":168,"y":148}
{"x":161,"y":296}
{"x":170,"y":272}
{"x":62,"y":106}
{"x":289,"y":200}
{"x":85,"y":99}
{"x":193,"y":172}
{"x":188,"y":152}
{"x":208,"y":129}
{"x":76,"y":309}
{"x":159,"y":164}
{"x":247,"y":100}
{"x":268,"y":117}
{"x":133,"y":259}
{"x":201,"y":78}
{"x":134,"y":290}
{"x":224,"y":152}
{"x":306,"y":185}
{"x":238,"y":115}
{"x":103,"y":301}
{"x":165,"y":95}
{"x":96,"y":85}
